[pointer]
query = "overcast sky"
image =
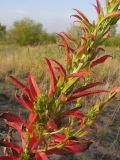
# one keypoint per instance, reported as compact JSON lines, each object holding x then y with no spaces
{"x":53,"y":14}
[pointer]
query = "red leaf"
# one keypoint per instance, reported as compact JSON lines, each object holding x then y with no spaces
{"x":32,"y":118}
{"x":33,"y":86}
{"x":59,"y":65}
{"x":84,"y":93}
{"x":98,"y":50}
{"x":52,"y":78}
{"x":25,"y":102}
{"x":75,"y":113}
{"x":80,"y":74}
{"x":78,"y":17}
{"x":15,"y":126}
{"x":70,"y":49}
{"x":12,"y":146}
{"x":41,"y":156}
{"x":116,"y":88}
{"x":68,"y":35}
{"x":51,"y":124}
{"x":82,"y":15}
{"x":100,"y":60}
{"x":9,"y":158}
{"x":21,"y":86}
{"x":33,"y":143}
{"x":98,"y":7}
{"x":13,"y":118}
{"x":68,"y":58}
{"x":59,"y":136}
{"x":81,"y":49}
{"x":88,"y":86}
{"x":77,"y":148}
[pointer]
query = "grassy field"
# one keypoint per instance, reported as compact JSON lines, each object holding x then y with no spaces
{"x":19,"y":61}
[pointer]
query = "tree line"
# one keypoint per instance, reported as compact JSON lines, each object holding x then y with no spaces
{"x":26,"y":32}
{"x":29,"y":32}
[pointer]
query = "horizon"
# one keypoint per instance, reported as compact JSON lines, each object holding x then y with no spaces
{"x":55,"y":16}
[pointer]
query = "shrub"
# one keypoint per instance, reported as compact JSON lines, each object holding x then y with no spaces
{"x":2,"y":32}
{"x":28,"y":32}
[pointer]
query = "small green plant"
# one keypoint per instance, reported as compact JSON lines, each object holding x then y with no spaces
{"x":56,"y":123}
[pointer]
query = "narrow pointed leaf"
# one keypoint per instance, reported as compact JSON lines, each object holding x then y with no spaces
{"x":100,"y":60}
{"x":33,"y":143}
{"x":32,"y":119}
{"x":52,"y":78}
{"x":68,"y":58}
{"x":41,"y":156}
{"x":70,"y":49}
{"x":25,"y":102}
{"x":98,"y":6}
{"x":77,"y":147}
{"x":84,"y":93}
{"x":98,"y":50}
{"x":82,"y":15}
{"x":59,"y":65}
{"x":68,"y":35}
{"x":80,"y":74}
{"x":15,"y":126}
{"x":91,"y":85}
{"x":73,"y":112}
{"x":12,"y":146}
{"x":9,"y":158}
{"x":33,"y":86}
{"x":21,"y":86}
{"x":13,"y":118}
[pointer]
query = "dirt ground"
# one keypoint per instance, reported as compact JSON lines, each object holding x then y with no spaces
{"x":107,"y":146}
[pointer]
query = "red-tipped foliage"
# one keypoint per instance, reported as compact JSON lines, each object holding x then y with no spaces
{"x":52,"y":78}
{"x":12,"y":146}
{"x":84,"y":93}
{"x":82,"y":15}
{"x":62,"y":69}
{"x":100,"y":60}
{"x":66,"y":46}
{"x":69,"y":36}
{"x":41,"y":156}
{"x":88,"y":86}
{"x":13,"y":118}
{"x":80,"y":74}
{"x":9,"y":158}
{"x":98,"y":7}
{"x":33,"y":86}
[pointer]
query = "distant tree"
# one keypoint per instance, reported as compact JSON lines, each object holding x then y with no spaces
{"x":76,"y":31}
{"x":2,"y":31}
{"x":27,"y":32}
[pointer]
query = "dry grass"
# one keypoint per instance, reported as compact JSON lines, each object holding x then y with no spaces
{"x":19,"y":61}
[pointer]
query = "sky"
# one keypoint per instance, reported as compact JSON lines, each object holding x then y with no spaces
{"x":53,"y":14}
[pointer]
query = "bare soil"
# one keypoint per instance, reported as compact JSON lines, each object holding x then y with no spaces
{"x":107,"y":146}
